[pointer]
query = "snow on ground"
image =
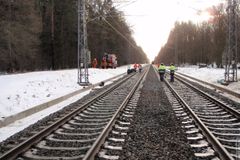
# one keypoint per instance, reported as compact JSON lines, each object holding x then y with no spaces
{"x":210,"y":75}
{"x":21,"y":124}
{"x":22,"y":91}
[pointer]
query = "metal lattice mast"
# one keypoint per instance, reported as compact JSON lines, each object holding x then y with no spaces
{"x":82,"y":45}
{"x":230,"y":56}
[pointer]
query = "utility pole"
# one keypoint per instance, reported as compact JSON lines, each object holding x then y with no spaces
{"x":230,"y":55}
{"x":82,"y":45}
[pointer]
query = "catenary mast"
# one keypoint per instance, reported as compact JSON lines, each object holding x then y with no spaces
{"x":82,"y":45}
{"x":230,"y":55}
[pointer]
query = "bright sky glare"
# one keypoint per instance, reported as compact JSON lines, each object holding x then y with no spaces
{"x":152,"y":20}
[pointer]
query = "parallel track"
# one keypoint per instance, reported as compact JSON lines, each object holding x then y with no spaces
{"x":203,"y":114}
{"x":81,"y":133}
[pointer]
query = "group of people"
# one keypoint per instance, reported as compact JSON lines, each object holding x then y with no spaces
{"x":102,"y":65}
{"x":137,"y":67}
{"x":107,"y":61}
{"x":162,"y":70}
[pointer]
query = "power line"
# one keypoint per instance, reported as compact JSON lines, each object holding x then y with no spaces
{"x":193,"y":8}
{"x":126,"y":4}
{"x":122,"y":35}
{"x":119,"y":33}
{"x":116,"y":30}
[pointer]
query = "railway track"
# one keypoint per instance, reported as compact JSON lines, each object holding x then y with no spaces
{"x":213,"y":127}
{"x":96,"y":126}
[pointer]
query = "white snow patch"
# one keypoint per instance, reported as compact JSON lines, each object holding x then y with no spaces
{"x":210,"y":75}
{"x":23,"y":91}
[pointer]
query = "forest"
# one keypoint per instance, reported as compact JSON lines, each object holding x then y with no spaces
{"x":202,"y":43}
{"x":42,"y":34}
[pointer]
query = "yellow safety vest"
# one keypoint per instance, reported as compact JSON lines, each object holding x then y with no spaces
{"x":172,"y":68}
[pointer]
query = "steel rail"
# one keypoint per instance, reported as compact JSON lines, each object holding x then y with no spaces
{"x":90,"y":155}
{"x":10,"y":119}
{"x":24,"y":146}
{"x":220,"y":150}
{"x":237,"y":95}
{"x":211,"y":98}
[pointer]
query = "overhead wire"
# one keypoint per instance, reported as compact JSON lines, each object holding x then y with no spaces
{"x":116,"y":8}
{"x":193,"y":8}
{"x":127,"y":4}
{"x":116,"y":30}
{"x":120,"y":33}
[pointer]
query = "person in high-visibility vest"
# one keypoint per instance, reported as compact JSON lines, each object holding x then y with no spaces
{"x":162,"y":70}
{"x":172,"y":69}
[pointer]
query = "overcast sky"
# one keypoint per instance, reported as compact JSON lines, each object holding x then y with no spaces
{"x":152,"y":20}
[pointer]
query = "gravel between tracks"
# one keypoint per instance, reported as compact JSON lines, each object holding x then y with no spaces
{"x":155,"y":132}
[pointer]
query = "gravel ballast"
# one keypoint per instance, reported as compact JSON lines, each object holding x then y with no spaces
{"x":155,"y":132}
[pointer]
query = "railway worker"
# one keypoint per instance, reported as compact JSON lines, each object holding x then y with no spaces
{"x":115,"y":64}
{"x":172,"y":70}
{"x":104,"y":62}
{"x":135,"y":66}
{"x":94,"y":63}
{"x":162,"y":70}
{"x":140,"y":68}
